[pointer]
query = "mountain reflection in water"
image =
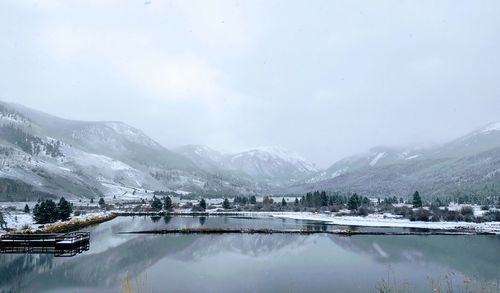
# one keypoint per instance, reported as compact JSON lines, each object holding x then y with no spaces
{"x":228,"y":263}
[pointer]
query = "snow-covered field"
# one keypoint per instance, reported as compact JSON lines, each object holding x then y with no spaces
{"x":382,"y":220}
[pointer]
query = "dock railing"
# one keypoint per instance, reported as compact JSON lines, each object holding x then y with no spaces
{"x":68,"y":244}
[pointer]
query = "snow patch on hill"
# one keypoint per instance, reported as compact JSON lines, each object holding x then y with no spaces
{"x":491,"y":127}
{"x":377,"y":158}
{"x":268,"y":153}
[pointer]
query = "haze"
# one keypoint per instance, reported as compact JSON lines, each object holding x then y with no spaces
{"x":324,"y":78}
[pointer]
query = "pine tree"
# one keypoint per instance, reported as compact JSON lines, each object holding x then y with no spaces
{"x":296,"y":203}
{"x":167,"y":203}
{"x":101,"y":202}
{"x":354,"y":202}
{"x":26,"y":209}
{"x":64,"y":209}
{"x":283,"y":202}
{"x":225,"y":204}
{"x":203,"y":204}
{"x":156,"y":204}
{"x":417,"y":200}
{"x":253,"y":199}
{"x":3,"y":223}
{"x":324,"y":199}
{"x":45,"y":212}
{"x":92,"y":200}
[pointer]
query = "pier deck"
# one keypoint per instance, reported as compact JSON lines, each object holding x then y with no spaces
{"x":69,"y":244}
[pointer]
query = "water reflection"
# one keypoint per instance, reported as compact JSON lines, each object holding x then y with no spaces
{"x":203,"y":220}
{"x":166,"y":219}
{"x":231,"y":263}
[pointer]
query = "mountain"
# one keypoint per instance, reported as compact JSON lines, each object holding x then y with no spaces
{"x":376,"y":157}
{"x":274,"y":166}
{"x":45,"y":156}
{"x":468,"y":165}
{"x":271,"y":164}
{"x":204,"y":157}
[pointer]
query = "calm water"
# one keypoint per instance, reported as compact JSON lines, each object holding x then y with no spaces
{"x":254,"y":263}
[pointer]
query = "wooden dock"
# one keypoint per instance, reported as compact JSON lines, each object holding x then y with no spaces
{"x":61,"y":245}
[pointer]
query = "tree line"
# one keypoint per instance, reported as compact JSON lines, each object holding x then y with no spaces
{"x":47,"y":211}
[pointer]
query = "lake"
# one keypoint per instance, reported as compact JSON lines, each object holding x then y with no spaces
{"x":256,"y":263}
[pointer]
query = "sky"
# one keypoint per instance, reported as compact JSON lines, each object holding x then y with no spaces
{"x":326,"y":79}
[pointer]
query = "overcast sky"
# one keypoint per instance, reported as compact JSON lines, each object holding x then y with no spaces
{"x":324,"y":78}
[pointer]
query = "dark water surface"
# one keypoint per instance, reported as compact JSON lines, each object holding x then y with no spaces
{"x":256,"y":263}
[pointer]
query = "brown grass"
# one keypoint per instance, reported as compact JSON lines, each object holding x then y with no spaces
{"x":75,"y":225}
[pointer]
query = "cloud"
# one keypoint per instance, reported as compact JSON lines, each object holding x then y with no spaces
{"x":140,"y":60}
{"x":218,"y":24}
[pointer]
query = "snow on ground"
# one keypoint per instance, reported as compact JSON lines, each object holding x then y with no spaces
{"x":388,"y":220}
{"x":20,"y":221}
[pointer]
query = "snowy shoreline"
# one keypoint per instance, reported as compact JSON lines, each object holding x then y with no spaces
{"x":380,"y":220}
{"x":373,"y":220}
{"x":18,"y":221}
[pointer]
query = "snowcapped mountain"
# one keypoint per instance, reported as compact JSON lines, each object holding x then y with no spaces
{"x":204,"y":157}
{"x":469,"y":165}
{"x":376,"y":157}
{"x":43,"y":155}
{"x":480,"y":140}
{"x":271,"y":165}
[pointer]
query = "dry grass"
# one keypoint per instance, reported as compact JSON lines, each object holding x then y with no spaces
{"x":75,"y":225}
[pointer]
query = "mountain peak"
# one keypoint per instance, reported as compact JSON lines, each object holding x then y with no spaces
{"x":495,"y":126}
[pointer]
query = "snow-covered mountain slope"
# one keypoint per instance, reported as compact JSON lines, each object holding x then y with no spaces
{"x":113,"y":139}
{"x":376,"y":157}
{"x":483,"y":139}
{"x":272,"y":165}
{"x":42,"y":155}
{"x":203,"y":156}
{"x":470,"y":164}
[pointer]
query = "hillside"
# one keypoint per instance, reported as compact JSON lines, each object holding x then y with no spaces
{"x":469,"y":165}
{"x":46,"y":156}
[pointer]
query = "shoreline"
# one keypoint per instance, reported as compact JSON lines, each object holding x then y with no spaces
{"x":373,"y":220}
{"x":70,"y":226}
{"x":217,"y":231}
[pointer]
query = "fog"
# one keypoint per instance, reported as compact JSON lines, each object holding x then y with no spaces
{"x":327,"y":79}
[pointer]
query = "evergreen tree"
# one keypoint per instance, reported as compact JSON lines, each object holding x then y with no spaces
{"x":156,"y":204}
{"x":417,"y":200}
{"x":253,"y":199}
{"x":225,"y":204}
{"x":203,"y":204}
{"x":45,"y":212}
{"x":92,"y":200}
{"x":296,"y":203}
{"x":167,"y":203}
{"x":354,"y":202}
{"x":324,"y":199}
{"x":3,"y":223}
{"x":64,"y":209}
{"x":101,"y":202}
{"x":283,"y":202}
{"x":26,"y":209}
